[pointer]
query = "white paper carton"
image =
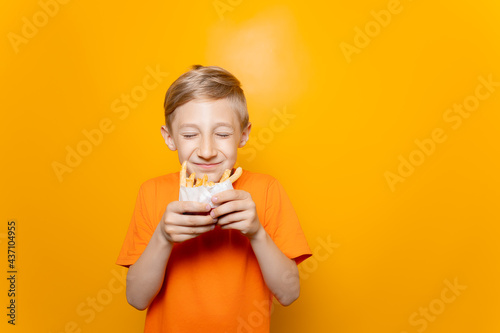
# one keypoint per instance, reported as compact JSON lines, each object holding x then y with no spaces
{"x":203,"y":193}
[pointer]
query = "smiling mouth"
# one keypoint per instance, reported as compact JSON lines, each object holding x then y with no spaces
{"x":206,"y":165}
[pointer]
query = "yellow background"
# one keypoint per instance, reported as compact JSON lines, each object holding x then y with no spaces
{"x":380,"y":254}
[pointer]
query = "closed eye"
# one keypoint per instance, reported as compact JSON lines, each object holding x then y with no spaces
{"x":188,"y":136}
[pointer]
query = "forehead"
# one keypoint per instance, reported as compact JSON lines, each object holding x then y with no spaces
{"x":205,"y":111}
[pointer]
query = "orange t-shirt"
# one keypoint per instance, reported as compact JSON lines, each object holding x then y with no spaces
{"x":213,"y":282}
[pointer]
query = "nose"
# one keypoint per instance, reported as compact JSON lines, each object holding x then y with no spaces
{"x":207,"y":148}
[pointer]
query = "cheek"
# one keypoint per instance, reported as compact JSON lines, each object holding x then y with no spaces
{"x":230,"y":148}
{"x":187,"y":148}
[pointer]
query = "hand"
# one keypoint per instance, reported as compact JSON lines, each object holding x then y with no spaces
{"x":236,"y":210}
{"x":184,"y":220}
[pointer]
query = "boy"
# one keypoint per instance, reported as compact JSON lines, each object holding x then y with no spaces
{"x":202,"y":269}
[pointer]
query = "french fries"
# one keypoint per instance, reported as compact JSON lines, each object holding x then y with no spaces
{"x":183,"y":174}
{"x":225,"y":176}
{"x":237,"y":173}
{"x":192,"y":181}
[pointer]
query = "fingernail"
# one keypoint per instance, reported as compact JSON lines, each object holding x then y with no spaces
{"x":212,"y":213}
{"x":214,"y":199}
{"x":213,"y":227}
{"x":207,"y":207}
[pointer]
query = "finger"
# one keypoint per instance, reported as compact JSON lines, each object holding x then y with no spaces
{"x":241,"y":226}
{"x":182,"y":230}
{"x":191,"y":220}
{"x":229,"y":195}
{"x":181,"y":207}
{"x":232,"y":218}
{"x":227,"y":208}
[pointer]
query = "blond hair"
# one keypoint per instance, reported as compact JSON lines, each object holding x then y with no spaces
{"x":205,"y":82}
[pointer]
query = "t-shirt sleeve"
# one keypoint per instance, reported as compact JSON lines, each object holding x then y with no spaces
{"x":139,"y":232}
{"x":282,"y":224}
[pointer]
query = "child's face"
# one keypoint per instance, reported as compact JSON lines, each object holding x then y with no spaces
{"x":206,"y":134}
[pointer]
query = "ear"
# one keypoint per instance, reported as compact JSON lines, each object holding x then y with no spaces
{"x":169,"y":140}
{"x":245,"y":134}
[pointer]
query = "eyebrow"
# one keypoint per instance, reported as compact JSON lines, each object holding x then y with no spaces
{"x":216,"y":125}
{"x":188,"y":125}
{"x":223,"y":124}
